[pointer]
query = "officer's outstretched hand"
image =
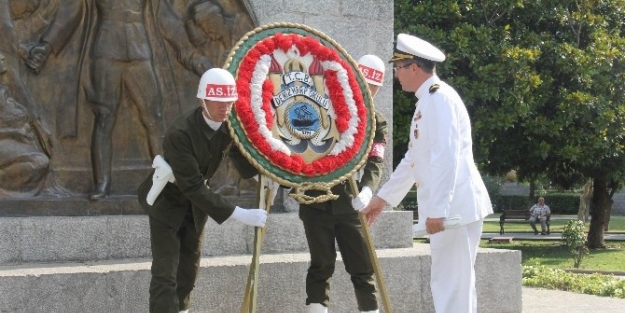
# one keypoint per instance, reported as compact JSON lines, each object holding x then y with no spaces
{"x":362,"y":199}
{"x":374,"y":209}
{"x":252,"y":217}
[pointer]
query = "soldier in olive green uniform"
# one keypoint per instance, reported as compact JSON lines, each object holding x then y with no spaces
{"x":194,"y":146}
{"x":338,"y":220}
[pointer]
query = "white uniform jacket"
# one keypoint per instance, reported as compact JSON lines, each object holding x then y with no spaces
{"x":439,"y":159}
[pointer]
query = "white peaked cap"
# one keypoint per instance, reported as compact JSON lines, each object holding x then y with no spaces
{"x":408,"y":47}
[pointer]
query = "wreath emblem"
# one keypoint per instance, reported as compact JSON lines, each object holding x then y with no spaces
{"x":304,"y":116}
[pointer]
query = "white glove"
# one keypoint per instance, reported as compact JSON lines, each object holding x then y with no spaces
{"x":418,"y":230}
{"x":360,"y":202}
{"x":252,"y":217}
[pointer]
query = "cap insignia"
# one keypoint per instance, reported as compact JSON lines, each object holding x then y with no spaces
{"x":397,"y":56}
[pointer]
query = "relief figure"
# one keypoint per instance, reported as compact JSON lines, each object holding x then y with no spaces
{"x":23,"y":165}
{"x":115,"y":71}
{"x":13,"y":77}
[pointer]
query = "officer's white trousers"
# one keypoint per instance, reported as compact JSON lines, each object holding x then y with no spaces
{"x":453,"y":268}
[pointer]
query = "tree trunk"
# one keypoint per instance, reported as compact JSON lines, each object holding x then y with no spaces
{"x":598,"y":208}
{"x":584,"y":202}
{"x":613,"y":189}
{"x":530,"y":200}
{"x":608,"y":213}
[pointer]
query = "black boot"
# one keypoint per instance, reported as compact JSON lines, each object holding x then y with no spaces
{"x":102,"y":155}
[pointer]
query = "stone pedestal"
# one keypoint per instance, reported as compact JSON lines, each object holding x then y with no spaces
{"x":101,"y":264}
{"x":122,"y":286}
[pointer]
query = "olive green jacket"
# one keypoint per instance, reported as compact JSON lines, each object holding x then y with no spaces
{"x":372,"y":173}
{"x":194,"y":151}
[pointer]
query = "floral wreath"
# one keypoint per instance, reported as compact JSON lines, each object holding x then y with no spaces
{"x":350,"y":108}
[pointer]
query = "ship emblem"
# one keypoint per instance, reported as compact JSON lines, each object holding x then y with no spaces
{"x":303,"y":121}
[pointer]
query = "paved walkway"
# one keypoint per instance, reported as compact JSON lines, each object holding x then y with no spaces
{"x":555,"y":301}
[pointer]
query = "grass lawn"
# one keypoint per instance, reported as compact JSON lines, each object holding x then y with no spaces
{"x":554,"y":254}
{"x":617,"y":224}
{"x":541,"y":257}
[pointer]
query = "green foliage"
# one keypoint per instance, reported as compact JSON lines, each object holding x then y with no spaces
{"x":594,"y":284}
{"x":493,"y":186}
{"x":403,"y":108}
{"x":545,"y":265}
{"x":556,"y":255}
{"x":575,"y":239}
{"x":559,"y":203}
{"x":543,"y":82}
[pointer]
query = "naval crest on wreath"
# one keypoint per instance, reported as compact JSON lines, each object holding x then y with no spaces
{"x":303,"y":120}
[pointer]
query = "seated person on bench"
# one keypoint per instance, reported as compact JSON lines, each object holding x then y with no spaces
{"x":539,"y":211}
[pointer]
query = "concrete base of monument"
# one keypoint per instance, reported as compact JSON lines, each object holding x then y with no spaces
{"x":81,"y":206}
{"x":111,"y":237}
{"x":102,"y":264}
{"x":122,"y":286}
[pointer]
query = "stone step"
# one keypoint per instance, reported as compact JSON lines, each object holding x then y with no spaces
{"x":122,"y":286}
{"x":113,"y":237}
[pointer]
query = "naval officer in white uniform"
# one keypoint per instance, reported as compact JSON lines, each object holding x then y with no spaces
{"x":440,"y":162}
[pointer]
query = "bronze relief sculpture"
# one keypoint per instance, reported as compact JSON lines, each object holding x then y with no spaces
{"x":101,"y":80}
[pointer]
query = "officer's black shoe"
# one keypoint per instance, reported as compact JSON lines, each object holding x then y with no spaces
{"x":543,"y":233}
{"x":535,"y":232}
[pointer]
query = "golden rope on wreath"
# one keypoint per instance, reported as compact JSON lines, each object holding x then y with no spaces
{"x":304,"y":116}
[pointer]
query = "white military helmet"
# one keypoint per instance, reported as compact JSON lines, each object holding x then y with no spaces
{"x":217,"y":84}
{"x":372,"y":68}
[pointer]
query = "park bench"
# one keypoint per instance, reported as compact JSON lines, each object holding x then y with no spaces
{"x":517,"y":216}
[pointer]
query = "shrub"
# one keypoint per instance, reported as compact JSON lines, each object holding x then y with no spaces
{"x":593,"y":284}
{"x":575,"y":239}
